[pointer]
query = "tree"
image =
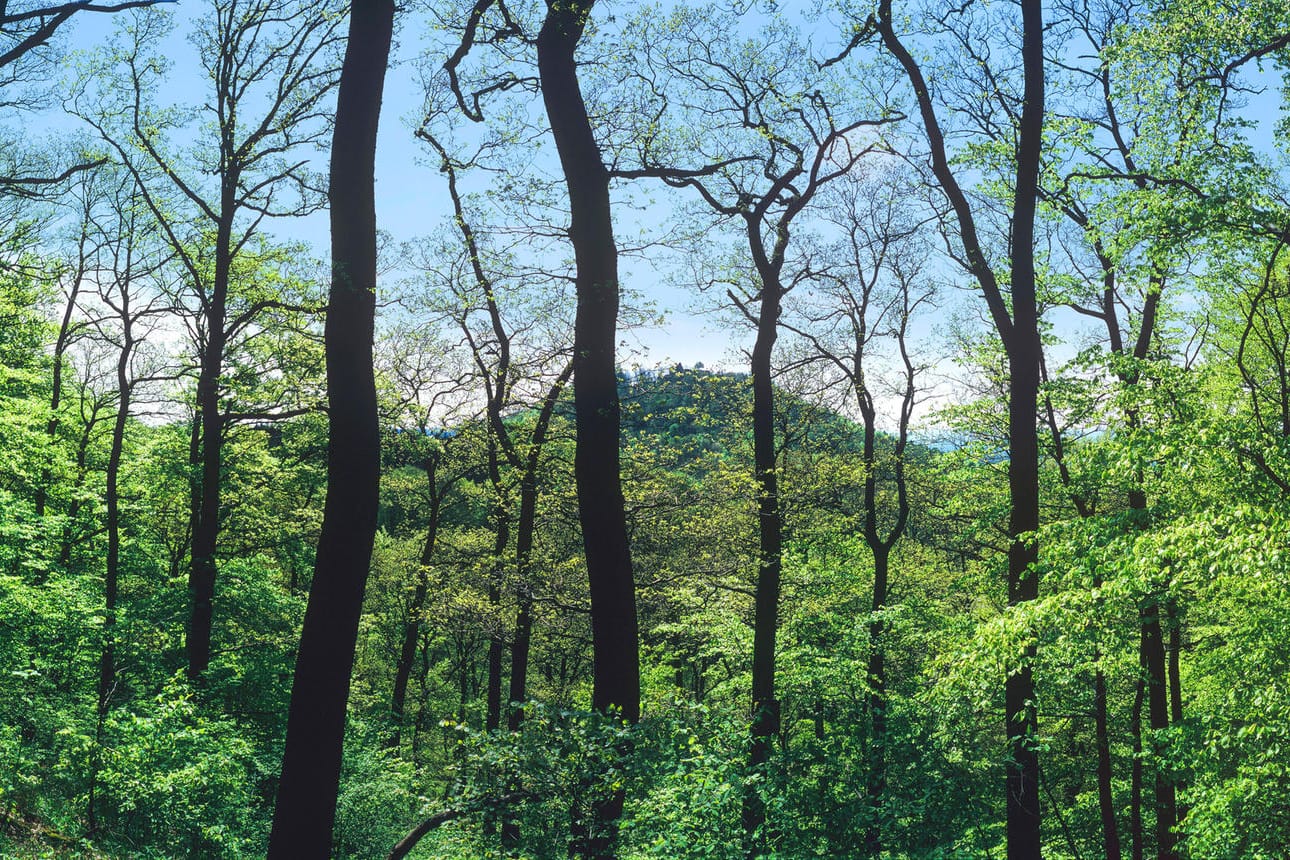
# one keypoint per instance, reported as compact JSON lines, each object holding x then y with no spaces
{"x":873,"y":295}
{"x":126,"y":275}
{"x":26,"y":33}
{"x":616,"y":664}
{"x":774,"y":143}
{"x":1016,"y":320}
{"x":269,"y":83}
{"x":306,"y":803}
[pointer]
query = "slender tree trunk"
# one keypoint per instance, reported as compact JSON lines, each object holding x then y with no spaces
{"x":56,"y":384}
{"x":206,"y":523}
{"x":1105,"y":793}
{"x":502,"y":537}
{"x":412,"y":629}
{"x":112,"y":566}
{"x":877,"y":776}
{"x":615,"y":641}
{"x":1153,"y":662}
{"x":765,"y":707}
{"x":306,"y":802}
{"x":1018,"y":329}
{"x":1175,"y":688}
{"x":525,"y":531}
{"x":1136,"y":831}
{"x":1024,"y":355}
{"x":82,"y":469}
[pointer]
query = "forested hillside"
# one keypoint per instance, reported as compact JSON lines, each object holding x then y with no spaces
{"x":968,"y":537}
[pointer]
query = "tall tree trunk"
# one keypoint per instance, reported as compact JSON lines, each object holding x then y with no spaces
{"x":1018,"y":329}
{"x":876,"y":785}
{"x":306,"y":802}
{"x":614,"y":633}
{"x":112,"y":497}
{"x":412,"y":629}
{"x":765,"y":707}
{"x":82,"y":470}
{"x":1105,"y":791}
{"x":1024,"y":355}
{"x":1175,"y":688}
{"x":525,"y":531}
{"x":56,"y":383}
{"x":1136,"y":830}
{"x":205,"y":511}
{"x":112,"y":563}
{"x":1153,"y":664}
{"x":501,"y":538}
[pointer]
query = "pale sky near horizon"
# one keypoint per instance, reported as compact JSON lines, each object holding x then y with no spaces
{"x":412,"y":197}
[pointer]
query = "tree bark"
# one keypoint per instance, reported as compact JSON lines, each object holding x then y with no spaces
{"x":112,"y":497}
{"x":412,"y":629}
{"x":1018,"y":329}
{"x":1153,"y":665}
{"x":1136,"y":830}
{"x":1105,"y":792}
{"x":1024,"y":351}
{"x":615,"y":640}
{"x":501,"y":538}
{"x":306,"y":802}
{"x":206,"y":521}
{"x":525,"y":531}
{"x":596,"y":463}
{"x":765,"y":707}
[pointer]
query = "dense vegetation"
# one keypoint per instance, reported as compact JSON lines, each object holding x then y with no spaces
{"x":980,"y":548}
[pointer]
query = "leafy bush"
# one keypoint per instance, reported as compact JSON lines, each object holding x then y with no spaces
{"x":179,"y":781}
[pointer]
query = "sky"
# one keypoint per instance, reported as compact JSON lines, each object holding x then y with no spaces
{"x":412,"y":198}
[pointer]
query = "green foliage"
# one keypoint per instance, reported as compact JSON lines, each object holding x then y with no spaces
{"x":177,"y":780}
{"x":377,"y":796}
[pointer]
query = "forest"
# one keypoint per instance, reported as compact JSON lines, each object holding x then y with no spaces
{"x":575,"y":428}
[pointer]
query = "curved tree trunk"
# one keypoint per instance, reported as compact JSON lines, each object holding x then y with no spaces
{"x":306,"y":803}
{"x":614,"y":632}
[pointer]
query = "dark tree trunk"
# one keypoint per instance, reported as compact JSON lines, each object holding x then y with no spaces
{"x":876,"y":786}
{"x":1018,"y":329}
{"x":205,"y":509}
{"x":412,"y":629}
{"x":525,"y":531}
{"x":82,"y":469}
{"x":880,"y":546}
{"x":765,"y":707}
{"x":1136,"y":831}
{"x":112,"y":566}
{"x":1153,"y":665}
{"x":615,"y":642}
{"x":56,"y":384}
{"x":502,"y":537}
{"x":1175,"y":689}
{"x":306,"y":802}
{"x":1024,"y":352}
{"x":1105,"y":793}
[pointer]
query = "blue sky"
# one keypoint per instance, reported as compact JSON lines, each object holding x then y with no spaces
{"x":412,"y":198}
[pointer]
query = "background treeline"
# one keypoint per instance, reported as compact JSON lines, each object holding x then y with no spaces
{"x":980,"y":549}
